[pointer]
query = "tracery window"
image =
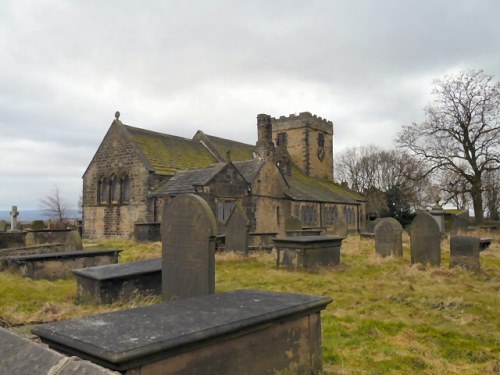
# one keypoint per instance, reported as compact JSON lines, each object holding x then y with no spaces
{"x":115,"y":189}
{"x":104,"y":191}
{"x":125,"y":189}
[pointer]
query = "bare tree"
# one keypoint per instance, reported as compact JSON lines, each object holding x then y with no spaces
{"x":461,"y":132}
{"x":389,"y":179}
{"x":492,"y":193}
{"x":54,"y":206}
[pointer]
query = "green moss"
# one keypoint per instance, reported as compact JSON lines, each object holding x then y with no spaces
{"x":167,"y":154}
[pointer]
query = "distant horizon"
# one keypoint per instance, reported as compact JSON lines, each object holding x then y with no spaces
{"x":36,"y":214}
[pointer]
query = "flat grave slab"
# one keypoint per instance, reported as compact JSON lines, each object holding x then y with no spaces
{"x":58,"y":265}
{"x":308,"y":251}
{"x":21,"y":356}
{"x":122,"y":281}
{"x":240,"y":332}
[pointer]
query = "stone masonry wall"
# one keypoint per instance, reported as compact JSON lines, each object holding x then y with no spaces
{"x":303,"y":132}
{"x":115,"y":156}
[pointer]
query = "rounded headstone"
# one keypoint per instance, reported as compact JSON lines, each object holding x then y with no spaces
{"x":425,"y":240}
{"x":188,"y":228}
{"x":388,"y":237}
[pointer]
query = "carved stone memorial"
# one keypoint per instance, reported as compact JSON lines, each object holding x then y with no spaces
{"x":237,"y":228}
{"x":425,"y":240}
{"x":188,"y":230}
{"x":388,"y":238}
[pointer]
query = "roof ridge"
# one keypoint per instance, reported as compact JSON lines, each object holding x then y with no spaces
{"x":153,"y":132}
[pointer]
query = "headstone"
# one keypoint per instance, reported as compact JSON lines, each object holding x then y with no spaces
{"x":3,"y":226}
{"x":188,"y":230}
{"x":425,"y":240}
{"x":13,"y":218}
{"x":460,"y":223}
{"x":388,"y":238}
{"x":237,"y":228}
{"x":464,"y":252}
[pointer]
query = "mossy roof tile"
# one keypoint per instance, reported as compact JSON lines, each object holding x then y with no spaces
{"x":239,"y":151}
{"x":167,"y":153}
{"x":306,"y":188}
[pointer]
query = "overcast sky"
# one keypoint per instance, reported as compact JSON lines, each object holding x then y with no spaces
{"x":180,"y":66}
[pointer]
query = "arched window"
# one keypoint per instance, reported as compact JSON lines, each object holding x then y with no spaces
{"x":125,"y":189}
{"x":104,"y":191}
{"x":115,"y":189}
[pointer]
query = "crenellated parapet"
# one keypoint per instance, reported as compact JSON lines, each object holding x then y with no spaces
{"x":303,"y":119}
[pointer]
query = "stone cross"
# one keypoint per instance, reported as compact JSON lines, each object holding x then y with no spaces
{"x":188,"y":229}
{"x":13,"y":218}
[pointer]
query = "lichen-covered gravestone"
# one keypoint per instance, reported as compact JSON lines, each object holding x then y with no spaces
{"x":425,"y":240}
{"x":237,"y":228}
{"x":188,"y":228}
{"x":388,"y":238}
{"x":464,"y":252}
{"x":3,"y":226}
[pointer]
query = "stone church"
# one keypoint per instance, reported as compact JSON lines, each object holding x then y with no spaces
{"x":287,"y":175}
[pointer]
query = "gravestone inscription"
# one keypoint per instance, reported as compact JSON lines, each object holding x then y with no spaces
{"x":188,"y":230}
{"x":237,"y":228}
{"x":388,"y":238}
{"x":425,"y":240}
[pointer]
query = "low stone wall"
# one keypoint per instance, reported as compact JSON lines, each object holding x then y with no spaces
{"x":57,"y":265}
{"x":70,"y":237}
{"x":31,"y":250}
{"x":11,"y":239}
{"x":261,"y":240}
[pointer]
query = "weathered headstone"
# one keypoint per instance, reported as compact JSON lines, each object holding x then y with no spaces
{"x":460,"y":223}
{"x":237,"y":228}
{"x":425,"y":240}
{"x":13,"y":218}
{"x":3,"y":226}
{"x":464,"y":252}
{"x":388,"y":238}
{"x":188,"y":228}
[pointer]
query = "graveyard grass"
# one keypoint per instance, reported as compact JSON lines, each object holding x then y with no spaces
{"x":387,"y":317}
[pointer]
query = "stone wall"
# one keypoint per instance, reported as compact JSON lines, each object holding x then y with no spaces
{"x":11,"y":239}
{"x":303,"y":133}
{"x":115,"y":156}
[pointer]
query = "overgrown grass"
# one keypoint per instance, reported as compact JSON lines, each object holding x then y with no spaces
{"x":388,"y":317}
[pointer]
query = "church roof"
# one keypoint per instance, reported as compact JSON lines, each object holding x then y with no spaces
{"x":185,"y":181}
{"x":306,"y":188}
{"x":220,"y":146}
{"x":249,"y":168}
{"x":168,"y":153}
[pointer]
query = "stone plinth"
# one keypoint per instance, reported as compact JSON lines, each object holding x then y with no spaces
{"x":123,"y":281}
{"x":308,"y":251}
{"x":57,"y":265}
{"x":241,"y":332}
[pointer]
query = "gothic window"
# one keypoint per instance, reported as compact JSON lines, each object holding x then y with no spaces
{"x":321,"y":146}
{"x":308,"y":215}
{"x":104,"y":191}
{"x":282,"y":139}
{"x":125,"y":189}
{"x":115,"y":189}
{"x":224,"y":209}
{"x":321,"y":140}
